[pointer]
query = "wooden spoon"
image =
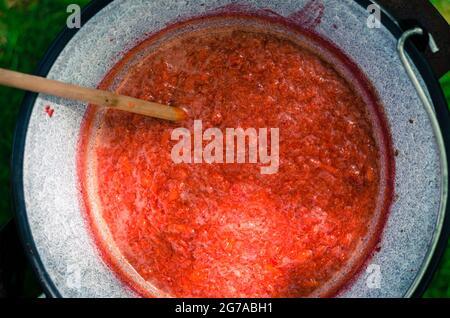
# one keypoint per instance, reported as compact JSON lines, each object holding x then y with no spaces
{"x":95,"y":96}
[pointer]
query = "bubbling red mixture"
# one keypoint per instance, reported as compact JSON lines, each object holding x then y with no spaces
{"x":226,"y":230}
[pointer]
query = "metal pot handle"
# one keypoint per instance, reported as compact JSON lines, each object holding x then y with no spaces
{"x":422,"y":13}
{"x":428,"y":105}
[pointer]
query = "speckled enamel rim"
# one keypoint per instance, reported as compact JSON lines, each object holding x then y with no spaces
{"x":439,"y":243}
{"x":430,"y":263}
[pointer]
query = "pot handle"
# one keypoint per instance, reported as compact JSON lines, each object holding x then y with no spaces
{"x":422,"y":13}
{"x":409,"y":35}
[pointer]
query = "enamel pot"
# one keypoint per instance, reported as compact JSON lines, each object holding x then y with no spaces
{"x":47,"y":200}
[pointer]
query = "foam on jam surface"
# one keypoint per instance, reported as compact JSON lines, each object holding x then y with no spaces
{"x":225,"y":230}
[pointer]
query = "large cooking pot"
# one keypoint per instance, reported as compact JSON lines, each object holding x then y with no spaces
{"x":49,"y":212}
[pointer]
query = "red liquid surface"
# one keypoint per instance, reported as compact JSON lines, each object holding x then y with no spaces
{"x":226,"y":230}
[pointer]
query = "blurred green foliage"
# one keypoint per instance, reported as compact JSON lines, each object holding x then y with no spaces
{"x":27,"y":27}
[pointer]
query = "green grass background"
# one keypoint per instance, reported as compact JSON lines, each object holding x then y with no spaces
{"x":27,"y":27}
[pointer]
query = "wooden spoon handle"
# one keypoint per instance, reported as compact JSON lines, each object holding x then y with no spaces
{"x":95,"y":96}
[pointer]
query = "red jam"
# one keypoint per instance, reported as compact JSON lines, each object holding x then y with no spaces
{"x":226,"y":230}
{"x":49,"y":111}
